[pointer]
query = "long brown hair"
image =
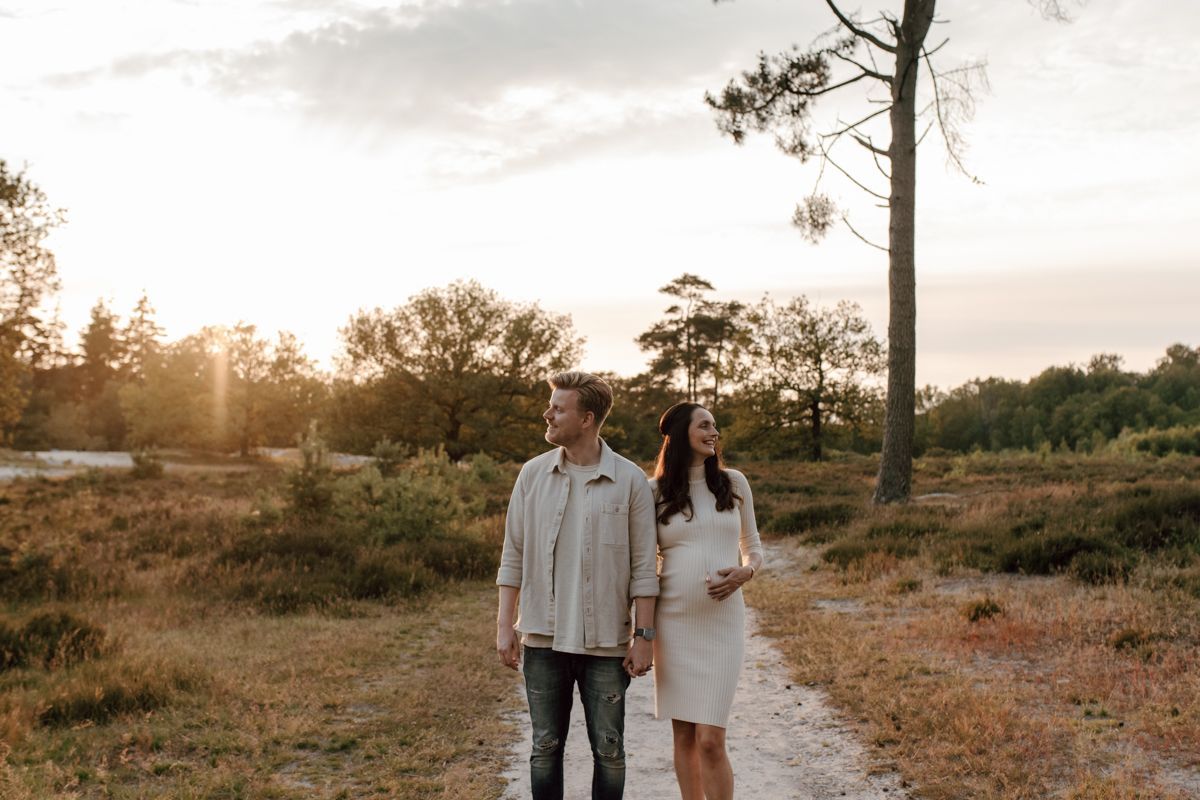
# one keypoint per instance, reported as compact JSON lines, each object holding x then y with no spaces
{"x":674,"y":459}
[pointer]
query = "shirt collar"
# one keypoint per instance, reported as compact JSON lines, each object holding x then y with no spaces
{"x":607,"y":467}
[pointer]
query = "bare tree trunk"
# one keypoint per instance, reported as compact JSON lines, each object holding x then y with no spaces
{"x":816,"y":428}
{"x":894,"y":483}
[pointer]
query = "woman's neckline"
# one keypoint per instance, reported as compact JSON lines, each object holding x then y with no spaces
{"x":696,"y":473}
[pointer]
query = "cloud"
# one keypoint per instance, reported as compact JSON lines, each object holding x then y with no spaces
{"x":496,"y":82}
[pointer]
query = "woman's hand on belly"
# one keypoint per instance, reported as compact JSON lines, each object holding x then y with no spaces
{"x":726,"y":581}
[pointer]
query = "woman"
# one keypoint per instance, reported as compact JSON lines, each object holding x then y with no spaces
{"x":705,"y":520}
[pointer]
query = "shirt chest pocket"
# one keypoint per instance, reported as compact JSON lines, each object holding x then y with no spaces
{"x":614,"y":524}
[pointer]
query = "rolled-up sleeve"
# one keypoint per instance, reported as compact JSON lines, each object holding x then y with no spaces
{"x":643,"y":542}
{"x":512,"y":557}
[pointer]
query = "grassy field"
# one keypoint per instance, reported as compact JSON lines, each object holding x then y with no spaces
{"x":161,"y":640}
{"x":1028,"y":628}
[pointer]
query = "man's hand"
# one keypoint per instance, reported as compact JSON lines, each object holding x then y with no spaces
{"x":508,"y":647}
{"x":727,"y":581}
{"x":640,"y":657}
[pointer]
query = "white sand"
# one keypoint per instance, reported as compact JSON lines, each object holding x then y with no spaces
{"x":784,"y":741}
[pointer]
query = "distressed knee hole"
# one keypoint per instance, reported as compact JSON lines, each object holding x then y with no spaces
{"x":613,"y":698}
{"x":547,"y":745}
{"x":609,"y":746}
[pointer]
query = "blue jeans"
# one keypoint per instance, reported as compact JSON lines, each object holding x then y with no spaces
{"x":550,"y":677}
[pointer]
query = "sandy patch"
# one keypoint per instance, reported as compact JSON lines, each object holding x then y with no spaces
{"x":785,"y":741}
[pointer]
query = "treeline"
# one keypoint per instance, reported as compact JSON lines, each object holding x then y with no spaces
{"x":460,"y":367}
{"x":1081,"y":409}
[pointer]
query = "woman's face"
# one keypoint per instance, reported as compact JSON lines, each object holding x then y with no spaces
{"x":702,"y":435}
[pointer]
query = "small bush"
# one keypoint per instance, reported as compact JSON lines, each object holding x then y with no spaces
{"x":1184,"y":440}
{"x":388,"y":456}
{"x":12,"y":648}
{"x":311,"y":485}
{"x":1099,"y":568}
{"x":1128,"y":639}
{"x":904,"y":529}
{"x":845,"y":553}
{"x":378,"y":574}
{"x":906,"y":586}
{"x":146,"y":465}
{"x":56,"y":639}
{"x":814,"y":516}
{"x":1045,"y":555}
{"x":30,"y":574}
{"x":979,"y":610}
{"x":1137,"y":642}
{"x":51,"y":640}
{"x":99,"y":691}
{"x":1165,"y":518}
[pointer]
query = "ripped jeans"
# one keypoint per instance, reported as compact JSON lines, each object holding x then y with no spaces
{"x":549,"y":684}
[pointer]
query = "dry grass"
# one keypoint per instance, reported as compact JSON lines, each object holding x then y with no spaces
{"x":1058,"y":688}
{"x":199,"y":697}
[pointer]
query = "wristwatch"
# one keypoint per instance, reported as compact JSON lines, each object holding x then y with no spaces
{"x":645,"y":633}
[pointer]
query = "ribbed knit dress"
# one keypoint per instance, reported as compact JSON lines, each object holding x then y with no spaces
{"x":699,"y":643}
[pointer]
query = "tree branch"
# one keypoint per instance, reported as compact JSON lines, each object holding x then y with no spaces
{"x":879,"y":76}
{"x":859,"y":32}
{"x":846,"y":220}
{"x":949,"y":136}
{"x":849,"y":128}
{"x":934,"y":50}
{"x":924,"y":133}
{"x":867,"y":144}
{"x":851,"y":178}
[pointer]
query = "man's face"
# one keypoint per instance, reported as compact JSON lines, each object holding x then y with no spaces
{"x":566,"y":423}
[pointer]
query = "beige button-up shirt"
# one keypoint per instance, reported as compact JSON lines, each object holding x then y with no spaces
{"x":619,"y":544}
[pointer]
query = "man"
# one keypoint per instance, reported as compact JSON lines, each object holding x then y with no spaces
{"x":579,"y":546}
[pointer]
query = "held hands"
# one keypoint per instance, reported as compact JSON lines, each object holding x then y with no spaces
{"x":508,"y":647}
{"x":640,"y":657}
{"x":727,"y":581}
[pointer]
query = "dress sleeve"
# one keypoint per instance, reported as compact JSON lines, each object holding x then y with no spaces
{"x":748,"y":541}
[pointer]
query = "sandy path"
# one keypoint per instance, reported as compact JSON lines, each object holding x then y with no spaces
{"x":785,"y":741}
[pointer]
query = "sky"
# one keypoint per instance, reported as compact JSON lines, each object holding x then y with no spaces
{"x":289,"y":162}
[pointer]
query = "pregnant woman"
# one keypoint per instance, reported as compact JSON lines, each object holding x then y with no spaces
{"x":705,"y":522}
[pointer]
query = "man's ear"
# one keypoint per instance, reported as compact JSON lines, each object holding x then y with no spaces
{"x":589,"y":418}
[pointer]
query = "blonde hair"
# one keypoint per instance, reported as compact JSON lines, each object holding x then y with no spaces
{"x":594,"y":394}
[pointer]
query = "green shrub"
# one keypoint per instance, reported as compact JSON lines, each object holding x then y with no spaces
{"x":1183,"y":439}
{"x":299,"y":546}
{"x":12,"y":648}
{"x":459,"y":557}
{"x":57,"y":639}
{"x":146,"y":465}
{"x":388,"y":456}
{"x":431,"y":496}
{"x":310,"y":487}
{"x":978,"y":610}
{"x":1102,"y":567}
{"x":29,"y":574}
{"x":379,"y":574}
{"x":1045,"y":555}
{"x":98,"y":691}
{"x":405,"y":507}
{"x":846,"y":552}
{"x":905,"y":529}
{"x":814,"y":516}
{"x":1168,"y":517}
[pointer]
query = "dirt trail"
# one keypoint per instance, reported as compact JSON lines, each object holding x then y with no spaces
{"x":785,"y":740}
